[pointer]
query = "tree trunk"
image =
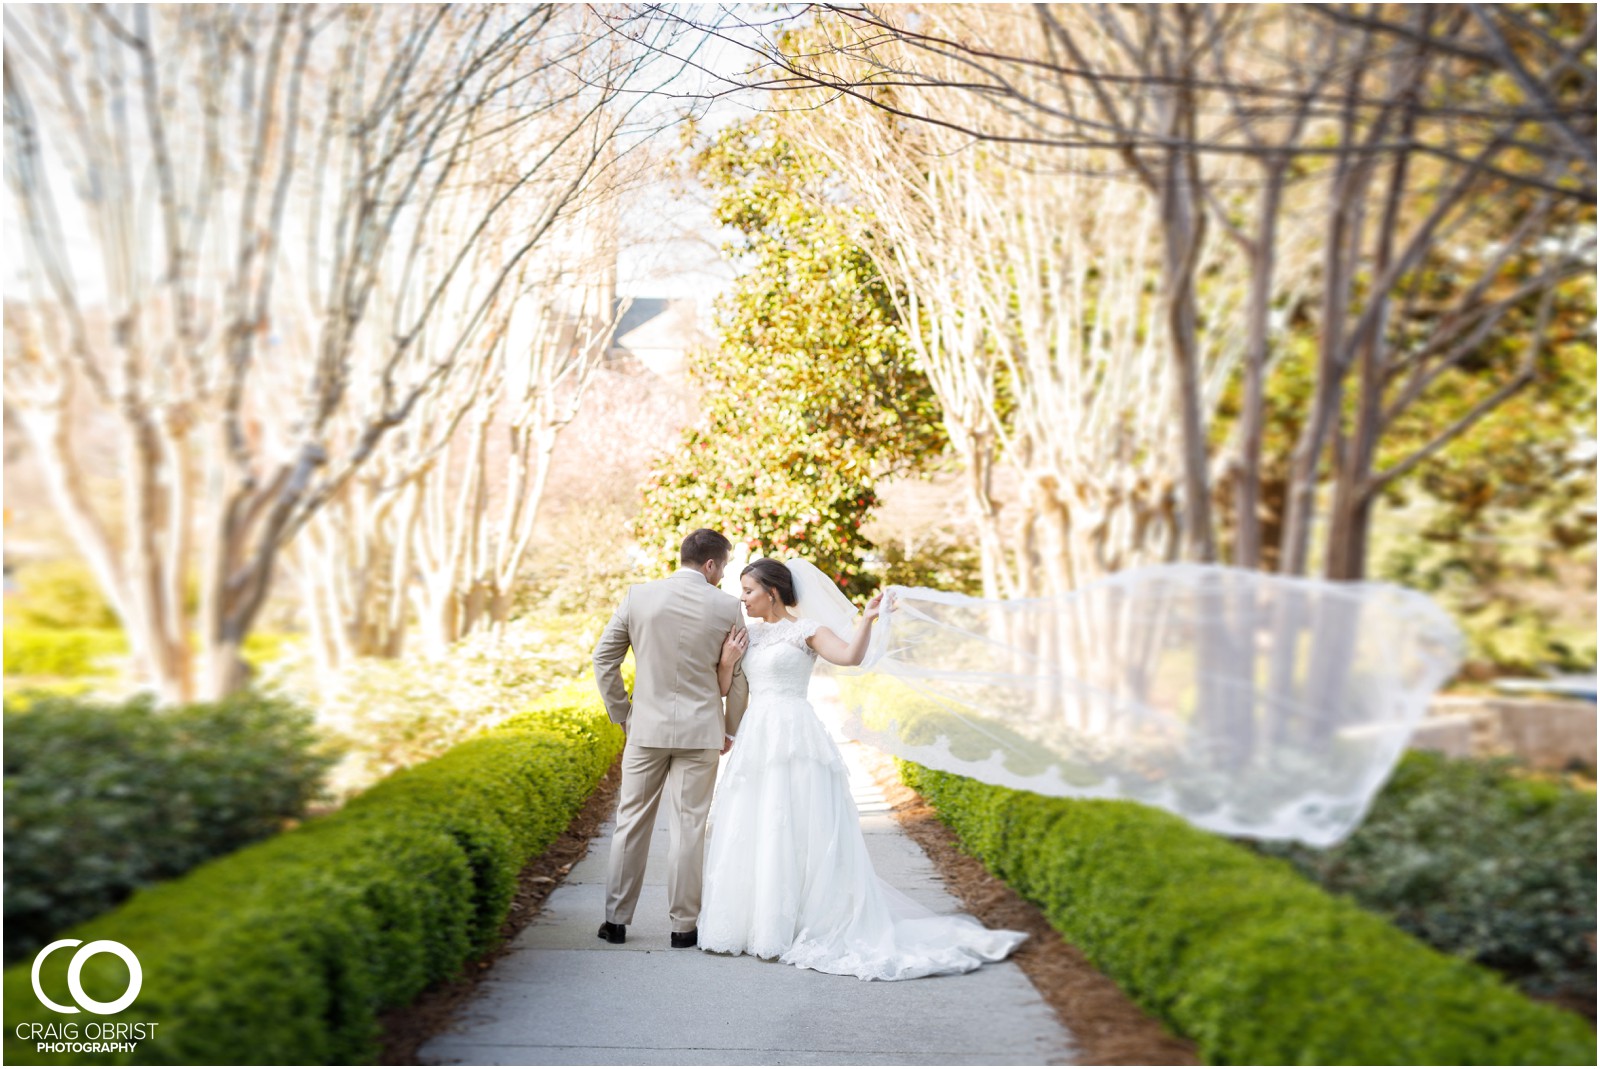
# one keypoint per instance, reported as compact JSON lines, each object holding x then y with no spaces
{"x":985,"y":514}
{"x":1348,"y":527}
{"x":226,"y":671}
{"x":1183,"y":231}
{"x":1306,"y":460}
{"x":1252,"y":419}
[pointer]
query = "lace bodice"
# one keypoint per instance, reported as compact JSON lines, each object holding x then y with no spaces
{"x":778,"y":661}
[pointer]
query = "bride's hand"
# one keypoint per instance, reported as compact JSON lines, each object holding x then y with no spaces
{"x":734,"y":645}
{"x":875,"y":607}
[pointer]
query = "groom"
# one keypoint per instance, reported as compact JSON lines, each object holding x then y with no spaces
{"x":675,"y":724}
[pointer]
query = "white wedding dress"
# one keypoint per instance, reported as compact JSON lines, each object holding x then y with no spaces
{"x":787,"y":872}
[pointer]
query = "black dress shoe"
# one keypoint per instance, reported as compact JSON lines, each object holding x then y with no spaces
{"x":685,"y":939}
{"x":613,"y":933}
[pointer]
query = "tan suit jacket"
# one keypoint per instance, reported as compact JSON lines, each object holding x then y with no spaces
{"x":676,"y":627}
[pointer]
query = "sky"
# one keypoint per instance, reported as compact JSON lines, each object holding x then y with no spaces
{"x":670,"y":241}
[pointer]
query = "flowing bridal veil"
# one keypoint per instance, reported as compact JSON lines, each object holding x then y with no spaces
{"x":1246,"y":703}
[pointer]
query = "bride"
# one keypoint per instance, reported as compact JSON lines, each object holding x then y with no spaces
{"x":787,"y":872}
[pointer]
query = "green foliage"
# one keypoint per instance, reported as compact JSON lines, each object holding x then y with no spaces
{"x":575,"y":579}
{"x":60,"y":594}
{"x":84,"y":652}
{"x":1506,"y":633}
{"x":69,"y":654}
{"x":1479,"y":862}
{"x":286,"y":952}
{"x":1507,"y":581}
{"x":1237,"y":951}
{"x":811,"y":395}
{"x":1496,"y":524}
{"x":1508,"y":508}
{"x":1519,"y":464}
{"x":261,"y":648}
{"x":943,"y":565}
{"x":386,"y":714}
{"x":1520,"y":458}
{"x":101,"y":800}
{"x":23,"y":693}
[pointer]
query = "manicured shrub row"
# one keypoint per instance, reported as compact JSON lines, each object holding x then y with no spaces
{"x":1237,"y":951}
{"x":101,"y":800}
{"x":1479,"y":861}
{"x":287,"y":951}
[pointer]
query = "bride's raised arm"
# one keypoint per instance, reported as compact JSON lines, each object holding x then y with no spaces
{"x":830,"y":647}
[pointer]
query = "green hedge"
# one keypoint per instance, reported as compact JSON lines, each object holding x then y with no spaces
{"x":101,"y":800}
{"x":1477,"y":859}
{"x":1237,"y":951}
{"x":287,"y":951}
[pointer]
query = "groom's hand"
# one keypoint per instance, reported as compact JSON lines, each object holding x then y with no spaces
{"x":727,"y":744}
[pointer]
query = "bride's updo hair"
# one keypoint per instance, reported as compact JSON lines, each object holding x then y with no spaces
{"x":774,"y":576}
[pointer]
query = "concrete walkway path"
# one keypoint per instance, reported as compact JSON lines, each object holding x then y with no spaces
{"x":561,"y":996}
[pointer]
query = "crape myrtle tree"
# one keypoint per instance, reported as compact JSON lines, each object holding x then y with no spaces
{"x":255,"y":241}
{"x":430,"y":540}
{"x":1028,"y":290}
{"x":1403,"y":135}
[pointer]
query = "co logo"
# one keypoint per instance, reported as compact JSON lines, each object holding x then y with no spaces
{"x":75,"y":975}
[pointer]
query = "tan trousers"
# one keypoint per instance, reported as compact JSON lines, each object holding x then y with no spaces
{"x":688,"y":776}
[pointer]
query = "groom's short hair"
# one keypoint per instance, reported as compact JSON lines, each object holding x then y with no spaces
{"x":703,"y":545}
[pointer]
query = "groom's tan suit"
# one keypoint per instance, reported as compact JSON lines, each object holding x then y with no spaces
{"x":676,"y":724}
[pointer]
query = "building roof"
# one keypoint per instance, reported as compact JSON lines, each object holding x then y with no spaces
{"x":658,"y":323}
